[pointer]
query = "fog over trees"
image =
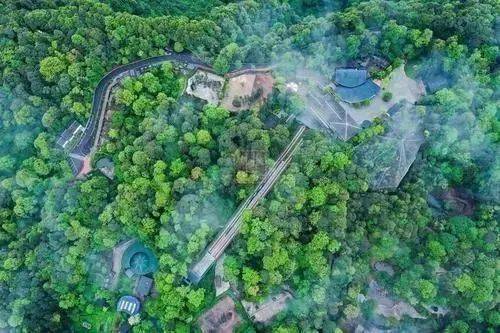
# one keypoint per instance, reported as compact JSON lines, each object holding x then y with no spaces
{"x":182,"y":167}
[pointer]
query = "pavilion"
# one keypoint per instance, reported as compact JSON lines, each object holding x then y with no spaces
{"x":353,"y":85}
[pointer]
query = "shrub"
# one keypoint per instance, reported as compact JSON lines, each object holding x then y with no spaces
{"x":178,"y":47}
{"x":386,"y":96}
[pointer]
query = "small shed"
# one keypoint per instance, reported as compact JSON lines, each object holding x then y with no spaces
{"x":129,"y":305}
{"x":143,"y":286}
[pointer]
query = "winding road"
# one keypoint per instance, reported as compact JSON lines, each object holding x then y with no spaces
{"x":88,"y":143}
{"x":89,"y":140}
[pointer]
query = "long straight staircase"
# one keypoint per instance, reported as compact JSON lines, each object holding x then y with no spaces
{"x":225,"y":237}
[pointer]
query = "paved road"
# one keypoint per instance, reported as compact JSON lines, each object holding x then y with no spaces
{"x":225,"y":237}
{"x":89,"y":139}
{"x":88,"y":144}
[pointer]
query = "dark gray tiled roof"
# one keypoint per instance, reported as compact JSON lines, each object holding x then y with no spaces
{"x":143,"y":286}
{"x":76,"y":165}
{"x":358,"y":94}
{"x":350,"y":77}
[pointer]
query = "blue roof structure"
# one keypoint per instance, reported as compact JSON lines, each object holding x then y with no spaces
{"x":350,"y":77}
{"x":129,"y":304}
{"x":358,"y":94}
{"x":354,"y":85}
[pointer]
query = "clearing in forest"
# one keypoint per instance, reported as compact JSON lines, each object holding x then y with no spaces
{"x":265,"y":311}
{"x":221,"y":318}
{"x":206,"y":86}
{"x":245,"y":90}
{"x":389,"y":307}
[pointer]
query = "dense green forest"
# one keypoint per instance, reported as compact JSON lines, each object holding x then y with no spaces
{"x":182,"y":166}
{"x":159,"y":7}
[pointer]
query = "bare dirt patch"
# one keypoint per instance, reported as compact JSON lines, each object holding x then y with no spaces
{"x":246,"y":90}
{"x":222,"y":318}
{"x":459,"y":202}
{"x":265,"y":82}
{"x":87,"y":167}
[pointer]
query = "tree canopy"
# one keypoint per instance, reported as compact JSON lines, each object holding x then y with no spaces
{"x":182,"y":167}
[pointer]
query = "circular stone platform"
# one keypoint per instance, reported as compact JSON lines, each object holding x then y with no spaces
{"x":139,"y":260}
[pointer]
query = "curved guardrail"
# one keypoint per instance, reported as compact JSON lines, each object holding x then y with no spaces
{"x":88,"y":141}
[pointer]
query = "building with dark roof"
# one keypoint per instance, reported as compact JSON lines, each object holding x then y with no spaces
{"x":353,"y":85}
{"x":128,"y":304}
{"x":143,"y":286}
{"x":436,"y":83}
{"x":350,"y":77}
